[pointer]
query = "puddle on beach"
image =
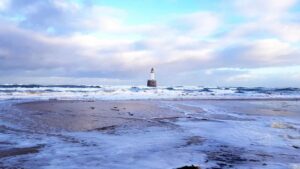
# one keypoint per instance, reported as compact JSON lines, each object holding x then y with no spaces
{"x":155,"y":135}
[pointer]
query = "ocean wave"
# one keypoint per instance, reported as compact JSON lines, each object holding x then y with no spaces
{"x":20,"y":91}
{"x":281,"y":125}
{"x":46,"y":86}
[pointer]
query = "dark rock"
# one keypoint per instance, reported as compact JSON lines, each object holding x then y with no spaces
{"x":20,"y":151}
{"x":226,"y":156}
{"x":221,"y":164}
{"x":115,"y":109}
{"x":135,"y":89}
{"x":189,"y":167}
{"x":105,"y":128}
{"x":195,"y":140}
{"x":4,"y":142}
{"x":254,"y":160}
{"x":205,"y":90}
{"x":264,"y":155}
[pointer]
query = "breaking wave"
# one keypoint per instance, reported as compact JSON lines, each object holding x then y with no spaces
{"x":33,"y":91}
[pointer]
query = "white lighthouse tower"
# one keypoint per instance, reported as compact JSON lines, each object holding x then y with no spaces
{"x":152,"y":75}
{"x":152,"y":82}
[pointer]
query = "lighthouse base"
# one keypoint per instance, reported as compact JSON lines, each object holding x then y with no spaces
{"x":151,"y":83}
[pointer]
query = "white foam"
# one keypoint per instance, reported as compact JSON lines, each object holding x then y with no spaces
{"x":139,"y":92}
{"x":295,"y":166}
{"x":163,"y":147}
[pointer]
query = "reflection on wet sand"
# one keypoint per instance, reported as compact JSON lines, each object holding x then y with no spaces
{"x":151,"y":134}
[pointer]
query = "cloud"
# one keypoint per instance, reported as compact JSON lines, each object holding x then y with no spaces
{"x":289,"y":32}
{"x":265,"y":10}
{"x":4,"y":4}
{"x":63,"y":17}
{"x":260,"y":53}
{"x":64,"y":80}
{"x":27,"y":51}
{"x":268,"y":36}
{"x":265,"y":19}
{"x":250,"y":77}
{"x":271,"y":76}
{"x":198,"y":24}
{"x":271,"y":51}
{"x":59,"y":39}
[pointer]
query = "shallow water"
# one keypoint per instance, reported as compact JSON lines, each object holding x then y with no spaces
{"x":210,"y":134}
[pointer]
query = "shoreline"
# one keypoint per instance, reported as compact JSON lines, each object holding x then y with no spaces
{"x":134,"y":133}
{"x":155,"y":99}
{"x":99,"y":114}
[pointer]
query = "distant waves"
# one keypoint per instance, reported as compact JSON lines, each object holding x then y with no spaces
{"x":33,"y":91}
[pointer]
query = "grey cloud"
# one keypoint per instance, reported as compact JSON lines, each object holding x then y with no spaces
{"x":254,"y":54}
{"x":60,"y":17}
{"x":26,"y":50}
{"x":29,"y":53}
{"x":36,"y":14}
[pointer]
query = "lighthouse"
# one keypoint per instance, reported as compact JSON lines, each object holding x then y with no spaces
{"x":152,"y":82}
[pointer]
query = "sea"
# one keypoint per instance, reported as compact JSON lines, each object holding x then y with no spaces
{"x":19,"y":91}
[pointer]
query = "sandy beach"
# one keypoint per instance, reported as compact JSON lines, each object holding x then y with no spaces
{"x":93,"y":115}
{"x":150,"y":134}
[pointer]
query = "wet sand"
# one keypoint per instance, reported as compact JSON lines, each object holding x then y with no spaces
{"x":152,"y":134}
{"x":89,"y":115}
{"x":92,"y":115}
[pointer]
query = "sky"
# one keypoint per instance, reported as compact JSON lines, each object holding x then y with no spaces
{"x":113,"y":42}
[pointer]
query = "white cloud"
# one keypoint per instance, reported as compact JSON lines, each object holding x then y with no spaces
{"x":269,"y":51}
{"x":64,"y":17}
{"x":289,"y":32}
{"x":271,"y":18}
{"x":264,"y":9}
{"x":198,"y":24}
{"x":4,"y":4}
{"x":282,"y":76}
{"x":200,"y":55}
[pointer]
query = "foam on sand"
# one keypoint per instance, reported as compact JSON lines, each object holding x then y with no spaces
{"x":150,"y":134}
